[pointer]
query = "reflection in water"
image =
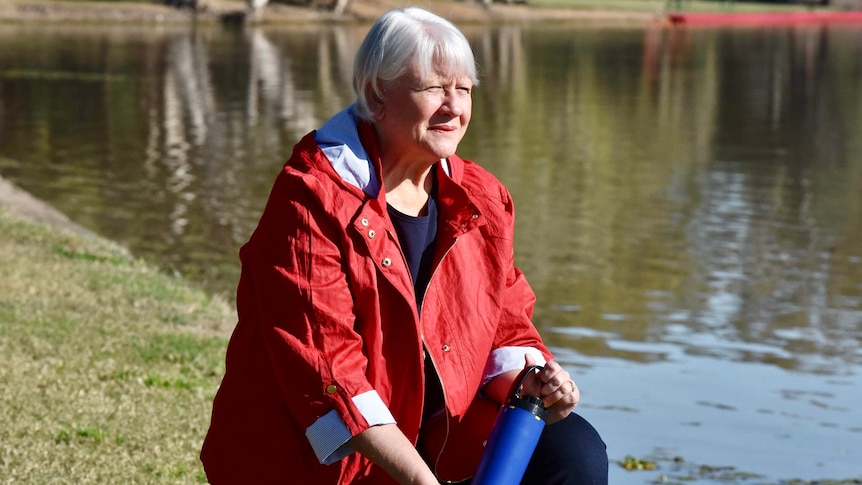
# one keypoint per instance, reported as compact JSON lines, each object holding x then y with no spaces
{"x":689,"y":201}
{"x":189,"y":109}
{"x":680,"y":202}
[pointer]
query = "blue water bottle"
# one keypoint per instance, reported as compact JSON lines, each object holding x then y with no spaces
{"x":514,"y":437}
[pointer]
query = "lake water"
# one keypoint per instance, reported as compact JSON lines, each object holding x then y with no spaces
{"x":689,"y":203}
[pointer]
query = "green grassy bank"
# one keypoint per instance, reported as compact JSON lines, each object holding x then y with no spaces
{"x":108,"y":366}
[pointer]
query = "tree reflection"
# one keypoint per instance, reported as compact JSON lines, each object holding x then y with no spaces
{"x":693,"y":190}
{"x":677,"y":192}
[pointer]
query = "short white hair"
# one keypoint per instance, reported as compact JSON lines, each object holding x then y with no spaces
{"x":402,"y":37}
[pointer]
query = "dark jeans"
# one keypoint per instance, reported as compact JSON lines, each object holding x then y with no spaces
{"x":569,"y":452}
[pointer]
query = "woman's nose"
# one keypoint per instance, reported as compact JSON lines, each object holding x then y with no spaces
{"x":455,"y":102}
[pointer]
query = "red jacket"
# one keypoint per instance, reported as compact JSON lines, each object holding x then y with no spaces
{"x":327,"y":313}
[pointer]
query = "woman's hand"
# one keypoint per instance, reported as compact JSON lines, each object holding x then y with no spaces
{"x":555,"y":387}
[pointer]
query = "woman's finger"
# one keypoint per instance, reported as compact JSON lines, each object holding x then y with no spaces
{"x":553,"y":378}
{"x":568,"y":392}
{"x":554,"y":386}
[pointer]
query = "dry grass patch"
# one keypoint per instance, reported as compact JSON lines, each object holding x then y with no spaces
{"x":109,"y":366}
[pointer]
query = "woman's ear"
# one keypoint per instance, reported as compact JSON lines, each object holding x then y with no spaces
{"x":374,"y":100}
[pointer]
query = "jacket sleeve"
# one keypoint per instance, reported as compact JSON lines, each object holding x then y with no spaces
{"x":516,"y":334}
{"x":294,"y":290}
{"x":515,"y":338}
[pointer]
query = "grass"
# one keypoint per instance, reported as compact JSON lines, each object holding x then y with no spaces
{"x":108,"y":366}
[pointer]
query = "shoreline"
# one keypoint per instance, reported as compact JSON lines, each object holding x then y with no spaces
{"x":21,"y":204}
{"x":234,"y":11}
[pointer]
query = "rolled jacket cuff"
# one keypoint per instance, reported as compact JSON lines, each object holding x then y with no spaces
{"x":329,"y":434}
{"x":505,"y":359}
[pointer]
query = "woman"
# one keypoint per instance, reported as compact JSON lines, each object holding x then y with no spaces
{"x":381,"y":317}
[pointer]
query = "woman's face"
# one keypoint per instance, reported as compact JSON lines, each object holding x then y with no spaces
{"x":422,"y":120}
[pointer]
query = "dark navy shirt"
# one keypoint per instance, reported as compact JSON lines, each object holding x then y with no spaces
{"x":417,"y":235}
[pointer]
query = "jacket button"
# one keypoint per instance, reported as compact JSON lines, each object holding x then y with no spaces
{"x":331,"y":389}
{"x":475,"y":216}
{"x":446,"y":348}
{"x":386,"y":262}
{"x":371,"y":234}
{"x":364,"y":222}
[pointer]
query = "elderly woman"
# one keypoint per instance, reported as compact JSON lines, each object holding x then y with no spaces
{"x":381,"y":317}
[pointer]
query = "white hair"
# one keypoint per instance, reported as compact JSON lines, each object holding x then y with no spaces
{"x":402,"y":37}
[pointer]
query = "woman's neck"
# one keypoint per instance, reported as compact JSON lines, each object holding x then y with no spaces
{"x":408,"y":191}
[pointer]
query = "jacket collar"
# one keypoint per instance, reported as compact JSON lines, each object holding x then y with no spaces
{"x":339,"y":140}
{"x":350,"y":145}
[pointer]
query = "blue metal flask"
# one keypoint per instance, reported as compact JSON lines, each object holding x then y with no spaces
{"x":514,"y":437}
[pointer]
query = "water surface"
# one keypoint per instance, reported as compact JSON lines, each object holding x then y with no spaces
{"x":689,"y":202}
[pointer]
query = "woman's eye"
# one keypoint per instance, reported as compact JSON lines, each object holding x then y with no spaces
{"x":434,"y":89}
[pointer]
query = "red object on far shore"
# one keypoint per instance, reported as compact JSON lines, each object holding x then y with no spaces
{"x":765,"y":18}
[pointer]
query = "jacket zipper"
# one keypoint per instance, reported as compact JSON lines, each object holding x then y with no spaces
{"x":434,"y":364}
{"x":431,"y":357}
{"x":422,"y":333}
